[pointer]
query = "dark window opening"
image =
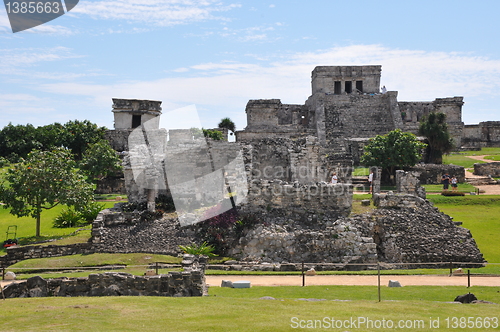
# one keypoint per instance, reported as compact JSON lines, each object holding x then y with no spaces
{"x":136,"y":121}
{"x":337,"y":87}
{"x":359,"y":86}
{"x":348,"y":86}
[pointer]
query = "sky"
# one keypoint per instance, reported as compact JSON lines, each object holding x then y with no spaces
{"x":216,"y":55}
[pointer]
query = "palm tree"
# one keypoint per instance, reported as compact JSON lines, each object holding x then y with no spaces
{"x":228,"y":124}
{"x":435,"y":129}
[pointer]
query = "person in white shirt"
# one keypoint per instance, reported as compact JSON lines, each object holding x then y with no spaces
{"x":335,"y":179}
{"x":370,"y":181}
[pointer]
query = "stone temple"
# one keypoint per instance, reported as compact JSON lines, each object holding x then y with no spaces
{"x":347,"y":108}
{"x":289,"y":153}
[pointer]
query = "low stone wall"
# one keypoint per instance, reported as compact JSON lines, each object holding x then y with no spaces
{"x":114,"y":185}
{"x":126,"y":232}
{"x":492,"y":169}
{"x":432,"y":173}
{"x":398,"y":201}
{"x":16,"y":254}
{"x":317,"y":239}
{"x":174,"y":284}
{"x":298,"y":200}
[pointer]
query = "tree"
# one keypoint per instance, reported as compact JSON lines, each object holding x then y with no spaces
{"x":213,"y":134}
{"x":228,"y":124}
{"x":17,"y":141}
{"x":42,"y":181}
{"x":396,"y":149}
{"x":435,"y":129}
{"x":79,"y":134}
{"x":99,"y":160}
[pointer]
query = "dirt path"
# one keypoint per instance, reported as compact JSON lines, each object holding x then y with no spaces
{"x":350,"y":280}
{"x":358,"y":280}
{"x":480,"y":158}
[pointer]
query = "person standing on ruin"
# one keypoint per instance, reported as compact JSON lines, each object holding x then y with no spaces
{"x":370,"y":181}
{"x":335,"y":179}
{"x":384,"y":90}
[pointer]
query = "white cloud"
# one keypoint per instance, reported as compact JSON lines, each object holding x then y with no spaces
{"x":30,"y":56}
{"x":223,"y":89}
{"x":155,"y":12}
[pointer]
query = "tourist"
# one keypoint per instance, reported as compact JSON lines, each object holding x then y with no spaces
{"x":335,"y":179}
{"x":454,"y":184}
{"x":370,"y":181}
{"x":384,"y":90}
{"x":445,"y":180}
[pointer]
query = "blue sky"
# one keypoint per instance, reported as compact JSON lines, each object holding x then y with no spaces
{"x":218,"y":54}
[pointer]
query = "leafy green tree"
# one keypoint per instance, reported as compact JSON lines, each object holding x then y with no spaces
{"x":51,"y":136}
{"x":435,"y":129}
{"x":396,"y":149}
{"x":17,"y":141}
{"x":42,"y":181}
{"x":100,"y":160}
{"x":213,"y":134}
{"x":80,"y":134}
{"x":228,"y":124}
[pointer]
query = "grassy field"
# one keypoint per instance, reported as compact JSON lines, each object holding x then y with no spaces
{"x":243,"y":310}
{"x":438,"y":188}
{"x":461,"y":159}
{"x":26,"y":227}
{"x":479,"y":214}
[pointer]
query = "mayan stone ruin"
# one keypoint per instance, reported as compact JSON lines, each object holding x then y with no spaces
{"x":279,"y":171}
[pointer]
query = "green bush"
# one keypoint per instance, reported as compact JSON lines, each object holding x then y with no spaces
{"x":202,"y":249}
{"x":90,"y":211}
{"x":68,"y":218}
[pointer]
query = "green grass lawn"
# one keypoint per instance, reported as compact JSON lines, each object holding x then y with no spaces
{"x":493,"y":158}
{"x":479,"y":214}
{"x":26,"y":226}
{"x":461,"y":160}
{"x":244,"y":310}
{"x":437,"y":188}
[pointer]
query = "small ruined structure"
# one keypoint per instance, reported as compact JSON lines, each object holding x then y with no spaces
{"x":191,"y":282}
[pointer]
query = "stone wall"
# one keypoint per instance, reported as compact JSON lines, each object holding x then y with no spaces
{"x":303,"y":160}
{"x":319,"y":238}
{"x":298,"y":200}
{"x":432,"y":173}
{"x":484,"y":134}
{"x":176,"y":284}
{"x":111,"y":185}
{"x":17,"y":254}
{"x":118,"y":139}
{"x":420,"y":233}
{"x":128,"y":232}
{"x":492,"y":169}
{"x":359,"y":115}
{"x":404,"y":229}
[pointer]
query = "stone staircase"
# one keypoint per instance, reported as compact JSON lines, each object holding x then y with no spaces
{"x":360,"y":183}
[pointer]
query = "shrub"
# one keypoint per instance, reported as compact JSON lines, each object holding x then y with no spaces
{"x":90,"y":211}
{"x":216,"y":230}
{"x":203,"y":249}
{"x":68,"y":218}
